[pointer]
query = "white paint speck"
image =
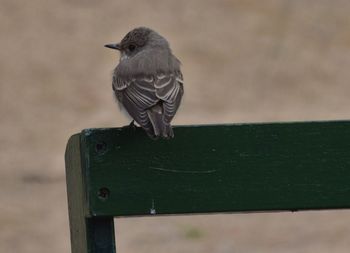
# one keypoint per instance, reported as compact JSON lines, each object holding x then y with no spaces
{"x":153,"y":209}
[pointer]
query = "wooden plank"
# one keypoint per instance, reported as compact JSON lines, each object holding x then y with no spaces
{"x":93,"y":235}
{"x":101,"y":238}
{"x":218,"y":168}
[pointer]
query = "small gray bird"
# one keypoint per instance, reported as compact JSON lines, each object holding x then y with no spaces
{"x":148,"y":81}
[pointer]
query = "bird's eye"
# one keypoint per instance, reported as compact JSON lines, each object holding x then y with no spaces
{"x":131,"y":47}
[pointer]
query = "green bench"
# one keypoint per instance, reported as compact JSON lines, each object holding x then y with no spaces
{"x":120,"y":172}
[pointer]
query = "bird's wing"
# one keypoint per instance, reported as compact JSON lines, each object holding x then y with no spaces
{"x":147,"y":91}
{"x":136,"y":95}
{"x":169,"y":88}
{"x":141,"y":91}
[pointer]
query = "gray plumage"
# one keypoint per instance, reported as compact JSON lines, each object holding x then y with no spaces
{"x":148,"y":81}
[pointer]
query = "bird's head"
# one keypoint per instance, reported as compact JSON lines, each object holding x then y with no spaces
{"x":137,"y":40}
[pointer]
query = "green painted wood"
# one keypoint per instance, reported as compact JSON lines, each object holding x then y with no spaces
{"x":101,"y":238}
{"x":218,"y":168}
{"x":93,"y":235}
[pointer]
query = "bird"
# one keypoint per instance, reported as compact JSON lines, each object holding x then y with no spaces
{"x":148,"y":81}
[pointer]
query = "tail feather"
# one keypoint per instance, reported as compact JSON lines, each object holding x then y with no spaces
{"x":160,"y":128}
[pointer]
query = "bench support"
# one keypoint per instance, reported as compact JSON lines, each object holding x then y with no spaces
{"x":88,"y":234}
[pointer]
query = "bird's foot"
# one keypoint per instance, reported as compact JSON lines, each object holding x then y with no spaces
{"x":131,"y":126}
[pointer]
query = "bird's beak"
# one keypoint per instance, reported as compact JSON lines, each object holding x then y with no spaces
{"x":113,"y":46}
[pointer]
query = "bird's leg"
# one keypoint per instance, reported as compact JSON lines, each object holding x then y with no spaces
{"x":132,"y":124}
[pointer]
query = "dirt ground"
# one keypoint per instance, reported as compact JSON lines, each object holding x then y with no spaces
{"x":243,"y":61}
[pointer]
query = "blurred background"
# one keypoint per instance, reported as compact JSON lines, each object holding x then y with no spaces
{"x":243,"y":61}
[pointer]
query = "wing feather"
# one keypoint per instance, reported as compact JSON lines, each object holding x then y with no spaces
{"x":167,"y":87}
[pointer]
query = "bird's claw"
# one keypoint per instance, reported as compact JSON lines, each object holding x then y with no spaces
{"x":131,"y":126}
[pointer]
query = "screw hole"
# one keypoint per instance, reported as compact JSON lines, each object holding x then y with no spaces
{"x":103,"y":193}
{"x":101,"y":147}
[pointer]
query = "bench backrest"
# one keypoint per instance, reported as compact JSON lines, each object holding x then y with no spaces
{"x":204,"y":169}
